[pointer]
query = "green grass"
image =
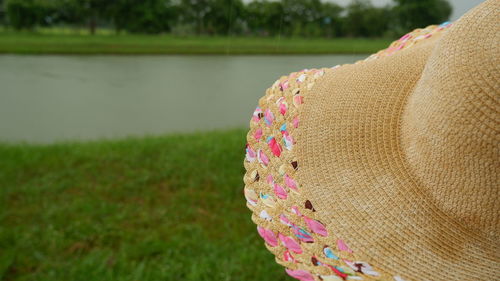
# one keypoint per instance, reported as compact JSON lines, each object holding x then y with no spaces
{"x":70,"y":43}
{"x":153,"y":208}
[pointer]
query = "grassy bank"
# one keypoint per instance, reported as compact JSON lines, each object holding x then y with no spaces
{"x":54,"y":43}
{"x":155,"y":208}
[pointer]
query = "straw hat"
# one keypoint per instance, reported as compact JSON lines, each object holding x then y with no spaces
{"x":386,"y":169}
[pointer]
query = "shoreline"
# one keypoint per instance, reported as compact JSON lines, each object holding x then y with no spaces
{"x":63,"y":44}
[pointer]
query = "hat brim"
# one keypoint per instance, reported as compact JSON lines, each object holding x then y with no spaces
{"x":343,"y":204}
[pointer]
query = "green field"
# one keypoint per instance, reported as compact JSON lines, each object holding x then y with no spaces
{"x":138,"y":209}
{"x":70,"y":43}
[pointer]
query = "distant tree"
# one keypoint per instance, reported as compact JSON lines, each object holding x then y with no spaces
{"x":411,"y":14}
{"x":377,"y":21}
{"x":224,"y":16}
{"x":70,"y":12}
{"x":302,"y":17}
{"x":194,"y":12}
{"x":355,"y":20}
{"x":331,"y":20}
{"x":48,"y":12}
{"x":211,"y":16}
{"x":264,"y":17}
{"x":143,"y":16}
{"x":365,"y":20}
{"x":88,"y":12}
{"x":22,"y":14}
{"x":294,"y":18}
{"x":2,"y":12}
{"x":27,"y":14}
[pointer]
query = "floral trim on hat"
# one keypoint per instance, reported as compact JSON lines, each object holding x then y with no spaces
{"x":289,"y":227}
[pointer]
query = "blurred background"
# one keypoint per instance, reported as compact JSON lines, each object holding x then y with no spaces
{"x":123,"y":123}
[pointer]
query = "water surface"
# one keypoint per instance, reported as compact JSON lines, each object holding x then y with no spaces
{"x":45,"y":99}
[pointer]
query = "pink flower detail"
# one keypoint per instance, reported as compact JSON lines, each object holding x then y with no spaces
{"x":258,"y":134}
{"x":288,"y":257}
{"x":280,"y":191}
{"x":290,"y":182}
{"x":391,"y":50}
{"x":262,"y":157}
{"x":297,"y":100}
{"x":343,"y":246}
{"x":290,"y":243}
{"x":302,"y":234}
{"x":268,"y":117}
{"x":274,"y":146}
{"x":316,"y":226}
{"x":283,"y":108}
{"x":296,"y":122}
{"x":296,"y":211}
{"x":257,"y":114}
{"x":282,"y":105}
{"x":268,"y":236}
{"x":284,"y":220}
{"x":284,"y":86}
{"x":406,"y":36}
{"x":337,"y":272}
{"x":300,"y":274}
{"x":270,"y":180}
{"x":250,"y":156}
{"x":288,"y":140}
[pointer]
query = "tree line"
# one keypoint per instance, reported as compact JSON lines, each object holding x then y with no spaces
{"x":305,"y":18}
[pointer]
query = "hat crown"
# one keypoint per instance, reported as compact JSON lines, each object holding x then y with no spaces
{"x":450,"y":131}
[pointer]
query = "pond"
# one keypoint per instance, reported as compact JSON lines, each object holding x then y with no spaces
{"x":44,"y":99}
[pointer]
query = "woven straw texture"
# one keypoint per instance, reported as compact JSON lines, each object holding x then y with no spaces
{"x":386,"y":169}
